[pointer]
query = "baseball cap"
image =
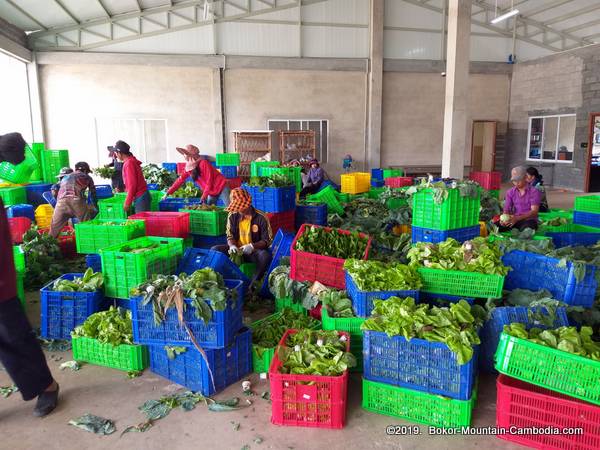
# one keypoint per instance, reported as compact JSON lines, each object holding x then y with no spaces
{"x":517,"y":173}
{"x":122,"y":147}
{"x":82,"y":166}
{"x":64,"y":172}
{"x":189,"y":150}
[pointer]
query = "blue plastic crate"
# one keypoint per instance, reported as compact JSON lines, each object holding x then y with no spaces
{"x":196,"y":258}
{"x":228,"y":171}
{"x":272,"y":200}
{"x":280,"y":247}
{"x":574,"y":239}
{"x":585,"y":218}
{"x":94,"y":262}
{"x":326,"y":183}
{"x":189,"y":369}
{"x":171,"y":167}
{"x":362,"y":301}
{"x":207,"y":242}
{"x":534,"y":272}
{"x":174,"y":204}
{"x":377,"y":174}
{"x":153,"y":187}
{"x":20,"y":211}
{"x":217,"y":333}
{"x":315,"y":214}
{"x":417,"y":364}
{"x":61,"y":312}
{"x":375,"y":182}
{"x":34,"y":193}
{"x":104,"y":191}
{"x":492,"y":328}
{"x":435,"y":236}
{"x":442,"y":299}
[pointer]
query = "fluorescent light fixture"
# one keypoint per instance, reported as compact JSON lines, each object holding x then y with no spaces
{"x":509,"y":14}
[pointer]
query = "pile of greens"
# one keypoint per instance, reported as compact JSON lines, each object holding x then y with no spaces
{"x":321,"y":241}
{"x":580,"y":257}
{"x":89,"y":282}
{"x":282,"y":286}
{"x":337,"y":303}
{"x":204,"y":207}
{"x":520,"y":240}
{"x":128,"y":249}
{"x":309,"y":352}
{"x":455,"y":326}
{"x":369,"y":216}
{"x":108,"y":327}
{"x":157,"y":175}
{"x":44,"y":261}
{"x":105,"y":172}
{"x":467,"y":188}
{"x":276,"y":180}
{"x":390,"y":248}
{"x":541,"y":306}
{"x":188,"y":190}
{"x":566,"y":339}
{"x":478,"y":255}
{"x":490,"y":207}
{"x":272,"y":329}
{"x":376,"y":276}
{"x":204,"y":287}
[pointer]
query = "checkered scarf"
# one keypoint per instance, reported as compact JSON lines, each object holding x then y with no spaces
{"x":240,"y":200}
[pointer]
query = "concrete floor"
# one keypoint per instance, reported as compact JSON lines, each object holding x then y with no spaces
{"x":108,"y":393}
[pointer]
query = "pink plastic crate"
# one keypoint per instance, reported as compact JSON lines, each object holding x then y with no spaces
{"x":488,"y":180}
{"x":285,"y":221}
{"x":398,"y":182}
{"x":307,"y":400}
{"x":165,"y":224}
{"x":18,"y":226}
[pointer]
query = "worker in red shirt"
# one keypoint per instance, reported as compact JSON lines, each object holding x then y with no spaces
{"x":133,"y":178}
{"x":212,"y":182}
{"x":20,"y":352}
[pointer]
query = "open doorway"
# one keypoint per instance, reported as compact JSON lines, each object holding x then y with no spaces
{"x":593,"y":172}
{"x":483,"y":146}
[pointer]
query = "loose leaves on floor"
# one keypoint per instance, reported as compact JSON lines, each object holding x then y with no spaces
{"x":94,"y":424}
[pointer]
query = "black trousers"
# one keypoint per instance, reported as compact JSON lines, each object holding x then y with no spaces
{"x":20,"y":352}
{"x":521,"y":225}
{"x":311,"y":189}
{"x":262,"y":259}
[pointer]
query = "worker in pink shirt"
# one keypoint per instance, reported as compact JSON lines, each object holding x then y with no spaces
{"x":133,"y":178}
{"x":521,"y":203}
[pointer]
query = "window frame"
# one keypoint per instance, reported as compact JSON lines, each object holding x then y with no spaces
{"x":555,"y":160}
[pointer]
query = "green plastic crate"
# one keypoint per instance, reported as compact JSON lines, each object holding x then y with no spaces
{"x":19,"y":173}
{"x":248,"y":269}
{"x":122,"y":357}
{"x":93,"y":235}
{"x":52,"y":162}
{"x":455,"y":212}
{"x":569,"y":374}
{"x":567,"y":228}
{"x":21,"y":288}
{"x":38,"y":173}
{"x":375,"y":192}
{"x":207,"y":223}
{"x":342,"y":196}
{"x":587,"y":203}
{"x":112,"y":208}
{"x":396,"y":203}
{"x":228,"y":159}
{"x":417,"y":406}
{"x":327,"y":196}
{"x":19,"y":258}
{"x":293,"y":173}
{"x":554,"y":213}
{"x":281,"y":303}
{"x":155,"y":198}
{"x":462,"y":284}
{"x":16,"y":195}
{"x":125,"y":270}
{"x":255,"y":166}
{"x":390,"y":173}
{"x":352,"y":326}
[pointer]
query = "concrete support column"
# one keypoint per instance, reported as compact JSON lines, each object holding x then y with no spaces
{"x":375,"y":78}
{"x":457,"y":89}
{"x":35,"y":102}
{"x":217,"y":97}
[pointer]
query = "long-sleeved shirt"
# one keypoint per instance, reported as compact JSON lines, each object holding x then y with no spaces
{"x":210,"y":180}
{"x":8,"y":275}
{"x":75,"y":185}
{"x":117,"y":178}
{"x":518,"y":204}
{"x":135,"y":183}
{"x":260,"y":228}
{"x":315,"y":175}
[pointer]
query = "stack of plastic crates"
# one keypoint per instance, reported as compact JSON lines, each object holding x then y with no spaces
{"x":328,"y":196}
{"x":256,"y":167}
{"x":228,"y":164}
{"x":272,"y":199}
{"x":293,"y":173}
{"x":285,"y":221}
{"x":94,"y":235}
{"x":587,"y":211}
{"x":355,"y":183}
{"x":377,"y":178}
{"x":311,"y":213}
{"x":52,"y":162}
{"x":207,"y":227}
{"x":19,"y":173}
{"x":13,"y":195}
{"x":490,"y":181}
{"x":455,"y":217}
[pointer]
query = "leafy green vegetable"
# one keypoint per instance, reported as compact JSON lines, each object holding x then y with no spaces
{"x":456,"y":325}
{"x":440,"y":189}
{"x":203,"y":207}
{"x":271,"y":329}
{"x":315,"y":352}
{"x":337,"y":303}
{"x":275,"y":180}
{"x":108,"y":327}
{"x":89,"y":282}
{"x":173,"y":351}
{"x":330,"y":242}
{"x":282,"y":286}
{"x":188,"y":190}
{"x":478,"y":255}
{"x":157,"y":175}
{"x":105,"y":172}
{"x":377,"y":276}
{"x":566,"y":339}
{"x":490,"y":207}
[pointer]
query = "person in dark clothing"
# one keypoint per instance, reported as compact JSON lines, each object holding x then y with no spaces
{"x":249,"y":232}
{"x":116,"y":181}
{"x":314,"y":180}
{"x":20,"y":352}
{"x":535,"y":179}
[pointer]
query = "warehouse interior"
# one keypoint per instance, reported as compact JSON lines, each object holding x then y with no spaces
{"x":434,"y":88}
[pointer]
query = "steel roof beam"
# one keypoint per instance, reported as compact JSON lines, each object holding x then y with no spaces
{"x":66,"y":11}
{"x":26,"y":14}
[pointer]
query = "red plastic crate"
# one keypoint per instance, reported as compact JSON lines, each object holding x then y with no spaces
{"x":18,"y":226}
{"x":165,"y":224}
{"x":180,"y":168}
{"x":490,"y":181}
{"x":66,"y":241}
{"x":284,"y":220}
{"x":398,"y":182}
{"x":234,"y":183}
{"x":524,"y":405}
{"x":306,"y":266}
{"x":307,"y":400}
